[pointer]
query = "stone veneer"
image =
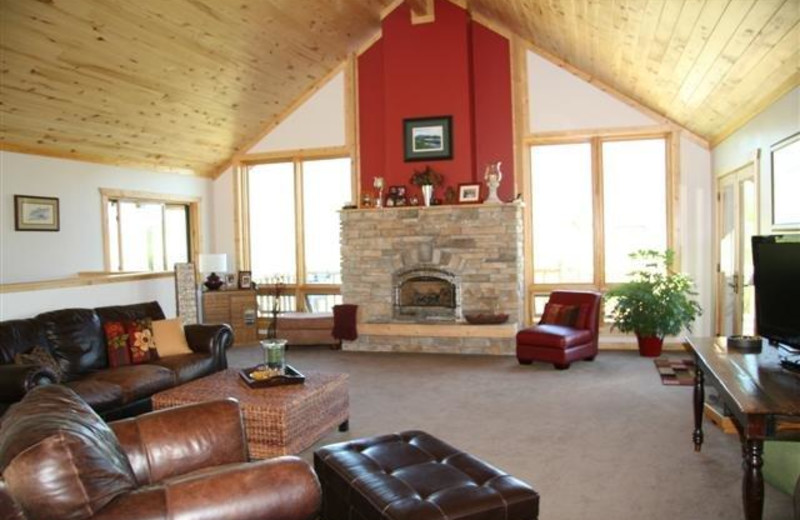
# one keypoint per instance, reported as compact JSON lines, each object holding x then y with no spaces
{"x":480,"y":244}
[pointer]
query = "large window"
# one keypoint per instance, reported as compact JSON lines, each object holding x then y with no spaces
{"x":592,"y":204}
{"x":144,"y":234}
{"x":293,"y":231}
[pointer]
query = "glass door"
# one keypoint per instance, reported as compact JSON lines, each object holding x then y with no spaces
{"x":737,"y":222}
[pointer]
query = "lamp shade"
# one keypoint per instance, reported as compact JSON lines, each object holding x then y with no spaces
{"x":216,"y":263}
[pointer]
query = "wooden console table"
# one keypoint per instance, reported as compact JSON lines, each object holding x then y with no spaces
{"x":757,"y":393}
{"x":237,"y":308}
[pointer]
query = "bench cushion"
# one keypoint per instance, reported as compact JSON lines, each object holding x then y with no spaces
{"x":305,"y":321}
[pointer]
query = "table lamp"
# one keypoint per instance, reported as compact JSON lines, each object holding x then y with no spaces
{"x":211,"y":263}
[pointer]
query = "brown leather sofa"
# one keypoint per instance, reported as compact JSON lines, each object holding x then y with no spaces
{"x":61,"y":461}
{"x":76,"y":340}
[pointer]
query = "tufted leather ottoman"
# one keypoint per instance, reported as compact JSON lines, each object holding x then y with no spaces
{"x":415,"y":476}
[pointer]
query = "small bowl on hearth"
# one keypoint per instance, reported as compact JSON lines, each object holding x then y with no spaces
{"x":483,"y":318}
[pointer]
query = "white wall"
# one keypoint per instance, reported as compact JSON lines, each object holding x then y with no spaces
{"x":224,"y":228}
{"x":29,"y":304}
{"x":27,"y":256}
{"x":588,"y":106}
{"x":317,"y":123}
{"x":697,"y":228}
{"x":561,"y":101}
{"x":776,"y":122}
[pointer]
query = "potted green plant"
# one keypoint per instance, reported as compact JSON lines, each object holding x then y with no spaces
{"x":657,"y":302}
{"x":426,"y":179}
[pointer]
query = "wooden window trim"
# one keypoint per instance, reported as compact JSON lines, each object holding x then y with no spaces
{"x":296,"y":157}
{"x":193,"y":203}
{"x":596,"y":139}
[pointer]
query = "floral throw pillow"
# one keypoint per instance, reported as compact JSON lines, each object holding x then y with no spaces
{"x":140,"y":341}
{"x":117,"y":344}
{"x":42,"y":357}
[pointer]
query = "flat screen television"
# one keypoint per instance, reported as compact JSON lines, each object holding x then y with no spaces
{"x":776,"y":276}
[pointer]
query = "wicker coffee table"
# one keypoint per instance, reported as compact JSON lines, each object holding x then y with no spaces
{"x":279,"y":420}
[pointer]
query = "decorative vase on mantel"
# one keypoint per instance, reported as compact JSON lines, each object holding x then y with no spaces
{"x":427,"y":193}
{"x":493,"y":176}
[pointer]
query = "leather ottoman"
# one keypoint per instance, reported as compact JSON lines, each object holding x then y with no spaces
{"x":415,"y":476}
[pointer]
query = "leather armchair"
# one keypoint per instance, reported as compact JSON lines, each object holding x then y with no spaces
{"x":60,"y":461}
{"x":560,"y":344}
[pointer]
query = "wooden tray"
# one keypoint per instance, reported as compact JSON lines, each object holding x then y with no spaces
{"x":291,"y":376}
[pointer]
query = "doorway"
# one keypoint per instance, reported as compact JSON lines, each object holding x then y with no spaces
{"x":737,"y":222}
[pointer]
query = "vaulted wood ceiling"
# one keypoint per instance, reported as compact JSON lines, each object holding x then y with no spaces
{"x":184,"y":84}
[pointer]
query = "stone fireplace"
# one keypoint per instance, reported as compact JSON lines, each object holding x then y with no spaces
{"x":415,"y":272}
{"x":426,"y":294}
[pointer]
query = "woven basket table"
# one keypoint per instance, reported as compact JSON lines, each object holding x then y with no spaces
{"x":278,"y":420}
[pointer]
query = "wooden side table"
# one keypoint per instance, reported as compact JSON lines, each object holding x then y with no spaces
{"x":237,"y":308}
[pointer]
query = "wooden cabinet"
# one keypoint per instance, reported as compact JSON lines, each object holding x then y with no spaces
{"x":238,"y":309}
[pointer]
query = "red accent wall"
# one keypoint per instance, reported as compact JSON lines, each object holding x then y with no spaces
{"x":493,"y":122}
{"x":453,"y":67}
{"x":370,"y":114}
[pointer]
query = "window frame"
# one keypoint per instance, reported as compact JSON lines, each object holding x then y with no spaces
{"x":300,"y":289}
{"x":107,"y":195}
{"x":596,"y":140}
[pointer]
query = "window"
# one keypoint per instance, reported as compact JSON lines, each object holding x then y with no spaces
{"x":293,"y":228}
{"x":146,"y":234}
{"x":634,"y":202}
{"x":592,"y":204}
{"x":562,"y":173}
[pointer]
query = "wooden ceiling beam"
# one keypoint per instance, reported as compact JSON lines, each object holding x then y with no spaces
{"x":422,"y":11}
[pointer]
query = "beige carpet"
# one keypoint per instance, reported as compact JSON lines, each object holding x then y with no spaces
{"x":603,"y":440}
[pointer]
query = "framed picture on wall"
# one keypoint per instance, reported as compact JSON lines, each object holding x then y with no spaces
{"x":36,"y":213}
{"x":245,"y":279}
{"x":428,"y":138}
{"x":786,"y":183}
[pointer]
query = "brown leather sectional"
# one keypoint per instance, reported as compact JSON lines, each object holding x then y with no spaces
{"x":61,"y":461}
{"x":76,"y":339}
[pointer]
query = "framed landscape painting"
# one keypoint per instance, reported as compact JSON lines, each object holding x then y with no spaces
{"x":36,"y":213}
{"x":428,"y":138}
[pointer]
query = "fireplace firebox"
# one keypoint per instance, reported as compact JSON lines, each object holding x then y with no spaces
{"x":426,"y":294}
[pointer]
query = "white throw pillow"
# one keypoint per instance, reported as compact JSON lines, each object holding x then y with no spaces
{"x":169,"y":338}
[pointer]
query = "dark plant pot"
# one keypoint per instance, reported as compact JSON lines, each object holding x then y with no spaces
{"x":649,"y":346}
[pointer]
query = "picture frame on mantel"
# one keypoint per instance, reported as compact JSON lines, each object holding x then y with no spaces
{"x":785,"y":155}
{"x":428,"y":138}
{"x":32,"y":213}
{"x":469,"y":193}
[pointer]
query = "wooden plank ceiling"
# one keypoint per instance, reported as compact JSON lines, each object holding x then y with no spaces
{"x":184,"y":84}
{"x":170,"y":84}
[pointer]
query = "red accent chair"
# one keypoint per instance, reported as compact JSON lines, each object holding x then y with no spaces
{"x":559,"y":344}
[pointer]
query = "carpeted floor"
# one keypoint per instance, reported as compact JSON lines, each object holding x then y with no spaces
{"x":602,"y":440}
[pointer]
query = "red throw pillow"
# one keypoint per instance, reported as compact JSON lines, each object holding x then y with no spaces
{"x":117,"y":344}
{"x":140,"y":341}
{"x":582,"y":321}
{"x":557,"y":314}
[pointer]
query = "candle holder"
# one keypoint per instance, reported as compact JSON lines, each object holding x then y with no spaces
{"x":274,"y":353}
{"x":493,"y":176}
{"x":378,"y":185}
